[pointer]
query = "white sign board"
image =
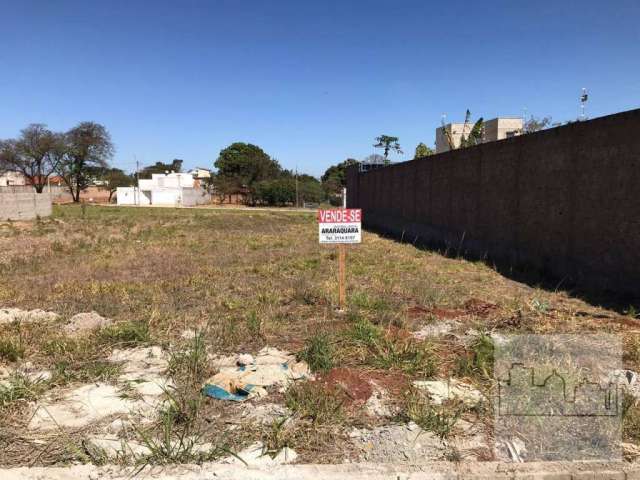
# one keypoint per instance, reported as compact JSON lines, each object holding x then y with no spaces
{"x":340,"y":225}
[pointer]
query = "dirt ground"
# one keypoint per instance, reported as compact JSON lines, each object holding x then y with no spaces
{"x":113,"y":319}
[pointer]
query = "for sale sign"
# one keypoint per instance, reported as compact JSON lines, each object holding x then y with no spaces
{"x":340,"y":225}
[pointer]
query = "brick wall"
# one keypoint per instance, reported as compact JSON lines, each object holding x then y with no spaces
{"x":565,"y":201}
{"x":24,"y":205}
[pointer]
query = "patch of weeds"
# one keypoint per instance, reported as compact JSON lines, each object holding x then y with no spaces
{"x":190,"y":366}
{"x":318,"y":353}
{"x":439,"y":419}
{"x":630,"y":419}
{"x":364,"y":332}
{"x":540,"y":306}
{"x":11,"y":350}
{"x":253,"y":323}
{"x":479,"y":360}
{"x":178,"y":436}
{"x":407,"y":355}
{"x":279,"y":436}
{"x":21,"y":387}
{"x":128,"y":334}
{"x":632,"y":312}
{"x":363,"y":300}
{"x":310,"y":400}
{"x":90,"y":371}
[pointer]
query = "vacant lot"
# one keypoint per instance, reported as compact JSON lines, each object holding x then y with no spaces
{"x":196,"y":284}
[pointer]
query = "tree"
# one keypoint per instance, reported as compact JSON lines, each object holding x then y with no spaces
{"x":536,"y":124}
{"x":86,"y":146}
{"x":335,"y":177}
{"x":422,"y":151}
{"x":276,"y":191}
{"x":473,"y":138}
{"x":32,"y":154}
{"x":160,"y":167}
{"x":242,"y":166}
{"x":388,"y":143}
{"x":114,"y":178}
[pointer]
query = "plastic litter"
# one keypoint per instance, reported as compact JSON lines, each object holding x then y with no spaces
{"x":242,"y":377}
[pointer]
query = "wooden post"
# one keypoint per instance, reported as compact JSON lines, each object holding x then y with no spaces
{"x":342,"y":296}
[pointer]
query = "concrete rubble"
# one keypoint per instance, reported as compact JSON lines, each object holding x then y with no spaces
{"x":397,"y":444}
{"x":85,"y":322}
{"x":80,"y":407}
{"x":143,"y":371}
{"x":442,"y":390}
{"x":10,"y":315}
{"x":436,"y":329}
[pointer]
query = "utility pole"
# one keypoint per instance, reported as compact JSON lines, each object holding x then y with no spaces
{"x":297,"y":203}
{"x":136,"y":189}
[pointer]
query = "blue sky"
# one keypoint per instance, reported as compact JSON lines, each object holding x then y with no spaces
{"x":310,"y":82}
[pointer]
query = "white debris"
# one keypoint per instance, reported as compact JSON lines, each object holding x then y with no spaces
{"x":266,"y":413}
{"x":379,"y":403}
{"x":627,"y":379}
{"x":397,"y":444}
{"x":80,"y":407}
{"x":86,"y":322}
{"x":516,"y":448}
{"x":436,"y":329}
{"x":116,"y":447}
{"x":441,"y":390}
{"x":143,"y":369}
{"x":271,"y":367}
{"x":10,"y":315}
{"x":245,"y":359}
{"x":255,"y":455}
{"x":188,"y":334}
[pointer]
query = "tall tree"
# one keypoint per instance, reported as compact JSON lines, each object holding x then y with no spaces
{"x":86,"y":146}
{"x":422,"y":151}
{"x":473,"y":138}
{"x":388,"y":144}
{"x":32,"y":154}
{"x":334,"y":178}
{"x":242,"y":166}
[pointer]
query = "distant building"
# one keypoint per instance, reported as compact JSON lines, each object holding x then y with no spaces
{"x":494,"y":129}
{"x":200,"y":173}
{"x":12,"y":179}
{"x":175,"y":189}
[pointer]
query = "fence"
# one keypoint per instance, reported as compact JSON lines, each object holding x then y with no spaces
{"x":564,"y":201}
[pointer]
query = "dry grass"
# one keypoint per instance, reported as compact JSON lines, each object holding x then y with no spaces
{"x":247,"y":279}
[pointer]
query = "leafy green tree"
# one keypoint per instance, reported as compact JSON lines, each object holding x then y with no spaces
{"x":422,"y":151}
{"x":160,"y":167}
{"x":276,"y":191}
{"x":310,"y":189}
{"x":388,"y":144}
{"x":83,"y":148}
{"x":334,"y":178}
{"x":114,"y":178}
{"x":243,"y":165}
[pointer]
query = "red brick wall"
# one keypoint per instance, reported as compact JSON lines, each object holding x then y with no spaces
{"x":565,"y":200}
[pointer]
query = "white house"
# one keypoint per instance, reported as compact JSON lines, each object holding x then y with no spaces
{"x":176,"y":189}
